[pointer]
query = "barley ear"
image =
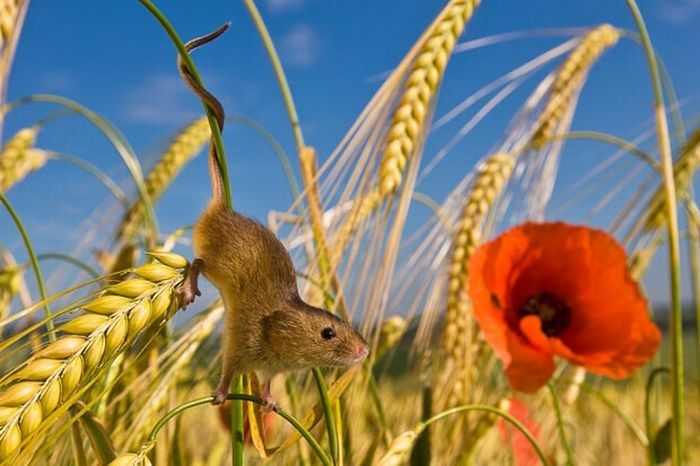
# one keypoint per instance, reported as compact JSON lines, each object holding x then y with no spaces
{"x":54,"y":377}
{"x":186,"y":145}
{"x":570,"y":78}
{"x":458,"y":334}
{"x":18,"y":158}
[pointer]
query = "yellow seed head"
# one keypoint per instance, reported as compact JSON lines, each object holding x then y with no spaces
{"x":570,"y":78}
{"x":399,"y":449}
{"x":408,"y":120}
{"x":18,"y":158}
{"x":184,"y":147}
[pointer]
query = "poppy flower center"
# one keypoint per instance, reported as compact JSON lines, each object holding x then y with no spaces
{"x":553,"y":312}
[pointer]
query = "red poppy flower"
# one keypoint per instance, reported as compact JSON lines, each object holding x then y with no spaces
{"x":553,"y":289}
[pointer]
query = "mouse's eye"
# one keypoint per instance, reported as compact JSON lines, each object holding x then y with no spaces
{"x":327,"y":333}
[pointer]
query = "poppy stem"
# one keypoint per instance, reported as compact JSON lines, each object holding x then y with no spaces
{"x":560,"y":425}
{"x":676,"y":315}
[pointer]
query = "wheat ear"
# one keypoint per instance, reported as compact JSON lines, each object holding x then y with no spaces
{"x":683,"y":170}
{"x":18,"y":158}
{"x":408,"y":122}
{"x":570,"y":78}
{"x":186,"y":145}
{"x":110,"y":323}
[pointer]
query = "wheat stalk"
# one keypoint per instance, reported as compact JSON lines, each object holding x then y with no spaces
{"x":186,"y":145}
{"x":569,"y":79}
{"x":420,"y":89}
{"x":19,"y":157}
{"x":53,"y":376}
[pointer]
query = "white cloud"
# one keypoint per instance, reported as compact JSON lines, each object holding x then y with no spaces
{"x":280,"y":6}
{"x":679,"y":11}
{"x":161,"y":98}
{"x":300,"y":46}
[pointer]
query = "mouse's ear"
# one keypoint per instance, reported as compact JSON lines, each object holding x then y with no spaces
{"x":280,"y":323}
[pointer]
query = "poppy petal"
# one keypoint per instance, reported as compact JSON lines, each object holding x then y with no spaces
{"x":528,"y":368}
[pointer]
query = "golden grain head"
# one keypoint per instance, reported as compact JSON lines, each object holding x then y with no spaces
{"x":90,"y":342}
{"x":18,"y":158}
{"x":186,"y":145}
{"x":408,"y":120}
{"x":399,"y":450}
{"x":570,"y":78}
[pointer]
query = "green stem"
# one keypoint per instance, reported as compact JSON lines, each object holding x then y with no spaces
{"x":328,"y":412}
{"x":215,"y":130}
{"x":489,"y":409}
{"x":71,"y":260}
{"x":560,"y":425}
{"x":101,"y":176}
{"x":35,"y":265}
{"x":322,"y":456}
{"x":676,"y":315}
{"x":634,"y":428}
{"x":279,"y":72}
{"x":237,"y":433}
{"x":651,"y":454}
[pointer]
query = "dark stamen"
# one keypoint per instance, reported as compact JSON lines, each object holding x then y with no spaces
{"x":553,"y":312}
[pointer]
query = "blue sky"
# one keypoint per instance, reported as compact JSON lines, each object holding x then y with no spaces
{"x":113,"y":58}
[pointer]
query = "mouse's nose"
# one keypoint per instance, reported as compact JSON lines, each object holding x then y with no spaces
{"x":362,"y":351}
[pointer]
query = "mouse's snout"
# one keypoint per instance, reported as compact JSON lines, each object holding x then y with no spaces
{"x":362,"y":350}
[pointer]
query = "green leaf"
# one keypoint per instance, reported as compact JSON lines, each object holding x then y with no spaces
{"x":98,"y":436}
{"x":662,"y":442}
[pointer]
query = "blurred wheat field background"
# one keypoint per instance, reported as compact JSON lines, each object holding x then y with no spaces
{"x":435,"y":222}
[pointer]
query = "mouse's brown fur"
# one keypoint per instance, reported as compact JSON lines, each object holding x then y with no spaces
{"x":268,"y":327}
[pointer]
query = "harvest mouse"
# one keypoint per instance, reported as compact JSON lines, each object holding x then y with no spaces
{"x":268,"y":327}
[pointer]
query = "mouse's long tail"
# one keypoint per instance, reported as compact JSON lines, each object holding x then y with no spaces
{"x":215,"y":169}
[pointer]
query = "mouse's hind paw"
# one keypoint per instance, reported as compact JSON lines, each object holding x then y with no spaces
{"x":189,"y":290}
{"x":219,"y":396}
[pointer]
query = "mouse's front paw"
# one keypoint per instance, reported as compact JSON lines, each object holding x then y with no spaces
{"x":187,"y":293}
{"x":219,"y":396}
